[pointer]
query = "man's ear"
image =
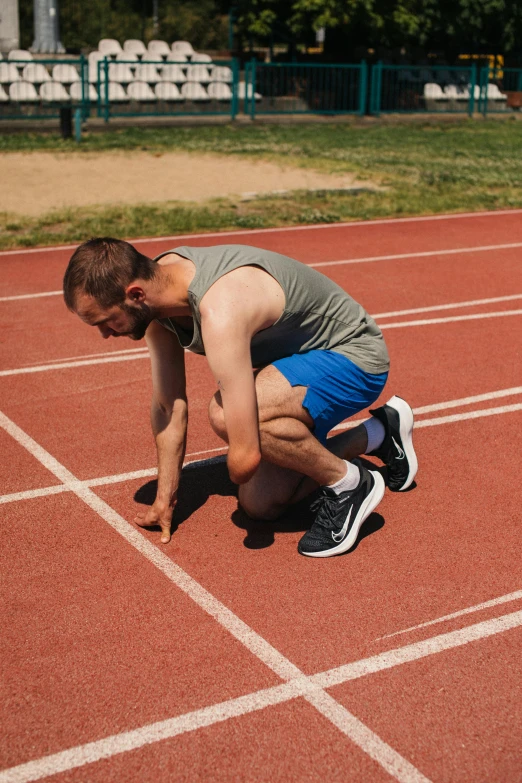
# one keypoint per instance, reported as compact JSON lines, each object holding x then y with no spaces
{"x":135,"y":293}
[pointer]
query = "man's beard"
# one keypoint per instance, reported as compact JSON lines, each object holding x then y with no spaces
{"x":140,"y":317}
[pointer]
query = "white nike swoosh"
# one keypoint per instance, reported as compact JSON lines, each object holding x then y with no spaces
{"x":339,"y":536}
{"x":400,"y":451}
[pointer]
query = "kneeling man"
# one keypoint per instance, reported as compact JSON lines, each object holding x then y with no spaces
{"x":292,"y":354}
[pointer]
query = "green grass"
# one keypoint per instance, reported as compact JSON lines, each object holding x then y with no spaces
{"x":423,"y":169}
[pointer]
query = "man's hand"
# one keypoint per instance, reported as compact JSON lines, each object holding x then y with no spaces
{"x":159,"y":514}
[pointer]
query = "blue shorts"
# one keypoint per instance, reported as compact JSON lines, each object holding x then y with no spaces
{"x":336,"y":387}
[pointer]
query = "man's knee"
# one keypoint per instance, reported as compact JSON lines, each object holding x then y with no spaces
{"x":217,"y":418}
{"x":257,"y":508}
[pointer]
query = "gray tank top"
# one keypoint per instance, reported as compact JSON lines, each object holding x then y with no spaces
{"x":318,"y":314}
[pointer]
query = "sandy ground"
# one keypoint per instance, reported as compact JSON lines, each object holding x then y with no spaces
{"x":34,"y":183}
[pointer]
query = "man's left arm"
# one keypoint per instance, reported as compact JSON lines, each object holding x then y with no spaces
{"x":227,"y":346}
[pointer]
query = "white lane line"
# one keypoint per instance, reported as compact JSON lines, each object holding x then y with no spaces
{"x":417,"y":650}
{"x":450,"y":319}
{"x":385,"y":755}
{"x":423,"y":254}
{"x":286,"y":229}
{"x":156,"y":732}
{"x":503,"y":599}
{"x":436,"y":420}
{"x":29,"y":296}
{"x":366,"y":260}
{"x":150,"y":472}
{"x":469,"y":415}
{"x":81,"y":363}
{"x":451,"y":306}
{"x":511,"y":392}
{"x":102,"y":481}
{"x":102,"y":354}
{"x":136,"y":353}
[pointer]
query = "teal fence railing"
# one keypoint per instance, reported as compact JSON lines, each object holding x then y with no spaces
{"x":149,"y":88}
{"x":38,"y":89}
{"x":500,"y":90}
{"x":303,"y":88}
{"x":410,"y":88}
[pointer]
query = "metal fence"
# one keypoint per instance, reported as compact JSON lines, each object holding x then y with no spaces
{"x":439,"y":88}
{"x":38,"y":89}
{"x":127,"y":88}
{"x":297,"y":88}
{"x":500,"y":90}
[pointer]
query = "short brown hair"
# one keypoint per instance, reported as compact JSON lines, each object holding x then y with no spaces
{"x":103,"y":267}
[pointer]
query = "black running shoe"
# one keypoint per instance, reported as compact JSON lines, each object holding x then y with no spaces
{"x":339,"y":517}
{"x":396,"y":450}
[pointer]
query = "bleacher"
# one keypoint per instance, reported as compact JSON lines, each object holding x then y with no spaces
{"x":134,"y":73}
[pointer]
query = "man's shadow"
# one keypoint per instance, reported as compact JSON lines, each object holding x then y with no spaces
{"x":200,"y":481}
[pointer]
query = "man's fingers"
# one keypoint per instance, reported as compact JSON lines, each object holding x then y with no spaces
{"x":165,"y":534}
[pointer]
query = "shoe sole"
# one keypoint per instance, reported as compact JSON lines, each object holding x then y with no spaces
{"x":406,"y":433}
{"x":371,"y":502}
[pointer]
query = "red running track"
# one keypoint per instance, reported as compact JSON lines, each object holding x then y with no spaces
{"x":224,"y":655}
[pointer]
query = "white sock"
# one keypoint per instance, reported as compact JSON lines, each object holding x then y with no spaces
{"x":375,"y":432}
{"x":349,"y":481}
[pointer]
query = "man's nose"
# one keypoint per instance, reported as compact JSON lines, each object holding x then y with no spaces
{"x":105,"y":331}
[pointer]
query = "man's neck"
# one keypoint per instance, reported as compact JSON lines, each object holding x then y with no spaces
{"x":175,"y":276}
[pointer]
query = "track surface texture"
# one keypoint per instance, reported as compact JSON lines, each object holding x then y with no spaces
{"x":224,"y":655}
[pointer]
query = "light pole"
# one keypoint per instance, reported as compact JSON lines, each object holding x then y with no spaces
{"x":46,"y":33}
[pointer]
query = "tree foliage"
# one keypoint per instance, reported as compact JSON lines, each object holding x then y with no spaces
{"x":449,"y":26}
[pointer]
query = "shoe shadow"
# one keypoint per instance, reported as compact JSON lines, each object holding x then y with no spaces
{"x":198,"y":482}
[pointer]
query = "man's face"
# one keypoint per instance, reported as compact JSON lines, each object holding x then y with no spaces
{"x":127,"y":320}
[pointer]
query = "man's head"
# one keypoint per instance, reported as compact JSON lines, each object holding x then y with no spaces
{"x":105,"y":283}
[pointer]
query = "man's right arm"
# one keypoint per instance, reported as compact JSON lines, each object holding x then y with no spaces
{"x":169,"y":415}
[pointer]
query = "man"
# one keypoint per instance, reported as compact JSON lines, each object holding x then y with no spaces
{"x":292,"y":354}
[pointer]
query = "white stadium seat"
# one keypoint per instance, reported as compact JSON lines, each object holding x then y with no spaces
{"x":76,"y":92}
{"x":452,"y":91}
{"x":434,"y":91}
{"x":119,"y":72}
{"x":94,"y":59}
{"x":147,"y":73}
{"x":173,"y":73}
{"x":19,"y":54}
{"x":53,"y":92}
{"x":242,"y":92}
{"x":127,"y":57}
{"x":182,"y":47}
{"x":158,"y":47}
{"x":8,"y":73}
{"x":66,"y":74}
{"x":175,"y":57}
{"x":140,"y":91}
{"x":166,"y":91}
{"x":493,"y":93}
{"x":198,"y":73}
{"x":23,"y":92}
{"x":3,"y":95}
{"x":221,"y":73}
{"x":152,"y":57}
{"x":36,"y":73}
{"x":117,"y":92}
{"x":133,"y":46}
{"x":199,"y":57}
{"x":219,"y":91}
{"x":194,"y":91}
{"x":109,"y":46}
